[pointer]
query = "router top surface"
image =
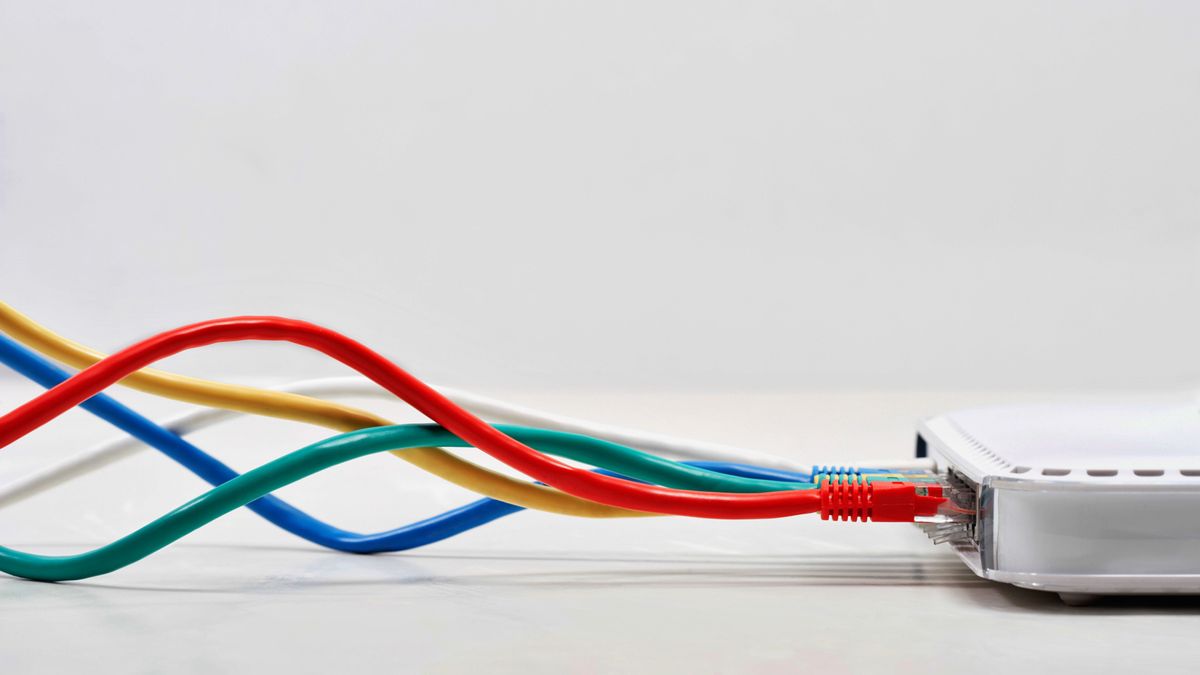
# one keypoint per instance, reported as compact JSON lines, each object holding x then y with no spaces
{"x":1075,"y":442}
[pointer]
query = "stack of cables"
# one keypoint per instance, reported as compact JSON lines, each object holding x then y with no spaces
{"x":634,"y":474}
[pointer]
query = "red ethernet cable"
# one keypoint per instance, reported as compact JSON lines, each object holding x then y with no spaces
{"x":852,"y":501}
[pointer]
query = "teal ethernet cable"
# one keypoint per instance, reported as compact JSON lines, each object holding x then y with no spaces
{"x":290,"y":468}
{"x":296,"y":521}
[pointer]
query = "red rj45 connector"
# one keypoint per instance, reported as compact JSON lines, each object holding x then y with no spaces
{"x":878,"y":501}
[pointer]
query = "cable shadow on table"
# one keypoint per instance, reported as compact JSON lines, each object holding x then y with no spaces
{"x":583,"y":570}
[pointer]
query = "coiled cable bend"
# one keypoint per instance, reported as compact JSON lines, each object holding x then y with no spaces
{"x":288,"y":406}
{"x":167,"y":438}
{"x":472,"y":430}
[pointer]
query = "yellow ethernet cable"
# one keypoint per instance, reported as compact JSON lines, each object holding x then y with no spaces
{"x":295,"y":407}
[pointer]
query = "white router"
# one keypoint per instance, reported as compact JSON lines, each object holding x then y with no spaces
{"x":1082,"y":500}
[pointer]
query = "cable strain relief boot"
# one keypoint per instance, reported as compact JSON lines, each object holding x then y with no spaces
{"x":881,"y":502}
{"x":834,"y":470}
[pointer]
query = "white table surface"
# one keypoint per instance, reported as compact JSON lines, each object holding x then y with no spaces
{"x":540,"y":593}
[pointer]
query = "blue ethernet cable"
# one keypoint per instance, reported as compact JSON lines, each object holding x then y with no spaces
{"x":270,"y":507}
{"x":283,"y":514}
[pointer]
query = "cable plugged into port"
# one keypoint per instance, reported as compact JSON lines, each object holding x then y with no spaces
{"x":879,"y":501}
{"x":956,"y":518}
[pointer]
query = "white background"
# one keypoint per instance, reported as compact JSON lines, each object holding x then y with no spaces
{"x":736,"y":199}
{"x":620,"y":194}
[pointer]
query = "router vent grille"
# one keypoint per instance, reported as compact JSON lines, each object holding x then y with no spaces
{"x":1111,"y":473}
{"x":983,"y":449}
{"x":1003,"y":464}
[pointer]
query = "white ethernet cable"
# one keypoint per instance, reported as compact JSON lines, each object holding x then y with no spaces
{"x":490,"y":409}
